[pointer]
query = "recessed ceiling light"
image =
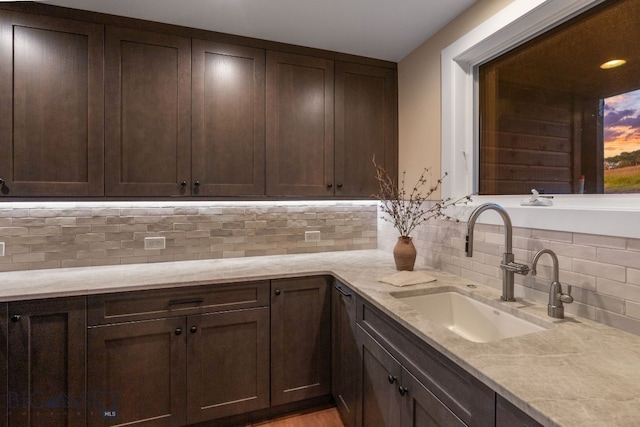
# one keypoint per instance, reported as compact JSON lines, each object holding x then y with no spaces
{"x":613,"y":64}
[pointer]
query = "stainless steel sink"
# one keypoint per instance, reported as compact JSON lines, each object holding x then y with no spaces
{"x":468,"y":317}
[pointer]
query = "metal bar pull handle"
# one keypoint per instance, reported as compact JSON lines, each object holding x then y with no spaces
{"x":343,"y":292}
{"x":186,"y":301}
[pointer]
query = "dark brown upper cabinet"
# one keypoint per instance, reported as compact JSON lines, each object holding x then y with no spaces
{"x":300,"y":114}
{"x":228,"y":123}
{"x":147,"y":113}
{"x":366,"y":126}
{"x":51,"y":106}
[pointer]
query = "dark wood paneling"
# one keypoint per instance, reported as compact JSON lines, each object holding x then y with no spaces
{"x":227,"y":364}
{"x":528,"y":139}
{"x":228,"y":120}
{"x":300,"y":128}
{"x":365,"y":126}
{"x":344,"y":352}
{"x":138,"y":370}
{"x":46,"y":363}
{"x":51,"y":104}
{"x":148,"y":113}
{"x":153,"y":304}
{"x":300,"y":339}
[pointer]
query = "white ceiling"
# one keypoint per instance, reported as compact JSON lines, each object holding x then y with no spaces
{"x":383,"y":29}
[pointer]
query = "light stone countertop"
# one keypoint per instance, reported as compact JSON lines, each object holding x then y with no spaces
{"x":577,"y":373}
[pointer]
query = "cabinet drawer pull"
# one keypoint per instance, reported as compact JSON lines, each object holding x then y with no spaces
{"x":186,"y":301}
{"x":403,"y":390}
{"x":392,"y":379}
{"x":15,"y":318}
{"x":178,"y":331}
{"x":343,"y":292}
{"x":194,"y":329}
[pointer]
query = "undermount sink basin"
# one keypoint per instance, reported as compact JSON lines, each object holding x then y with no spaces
{"x":469,"y":318}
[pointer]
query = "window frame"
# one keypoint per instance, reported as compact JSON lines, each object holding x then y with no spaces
{"x":515,"y":24}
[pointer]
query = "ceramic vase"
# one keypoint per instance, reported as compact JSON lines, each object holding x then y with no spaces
{"x":404,"y":253}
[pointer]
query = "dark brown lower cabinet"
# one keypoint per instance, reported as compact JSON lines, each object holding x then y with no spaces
{"x":227,"y":364}
{"x":390,"y":396}
{"x":46,"y":356}
{"x":344,"y":352}
{"x":300,"y":339}
{"x":179,"y":370}
{"x":137,"y":373}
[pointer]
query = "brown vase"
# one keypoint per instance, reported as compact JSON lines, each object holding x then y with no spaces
{"x":404,"y":254}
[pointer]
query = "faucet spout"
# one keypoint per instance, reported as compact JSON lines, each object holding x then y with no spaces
{"x":508,"y":266}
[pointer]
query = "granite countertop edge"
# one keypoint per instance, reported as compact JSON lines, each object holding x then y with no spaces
{"x":536,"y":372}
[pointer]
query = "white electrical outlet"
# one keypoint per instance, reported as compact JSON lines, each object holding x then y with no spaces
{"x":311,"y":236}
{"x":151,"y":243}
{"x":1,"y":248}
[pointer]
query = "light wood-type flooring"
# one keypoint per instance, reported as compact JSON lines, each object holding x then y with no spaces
{"x":322,"y":418}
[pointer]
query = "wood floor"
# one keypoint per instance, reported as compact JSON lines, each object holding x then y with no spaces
{"x":322,"y":418}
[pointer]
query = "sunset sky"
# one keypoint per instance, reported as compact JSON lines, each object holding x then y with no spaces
{"x":622,"y":123}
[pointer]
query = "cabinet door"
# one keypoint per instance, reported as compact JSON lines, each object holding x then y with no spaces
{"x":227,"y":364}
{"x":228,"y":125}
{"x":51,"y":106}
{"x":300,"y":339}
{"x":421,"y":408}
{"x":507,"y":415}
{"x":344,"y":352}
{"x":46,"y":363}
{"x":148,"y":113}
{"x":299,"y":125}
{"x":379,"y":376}
{"x":366,"y":126}
{"x":137,"y":373}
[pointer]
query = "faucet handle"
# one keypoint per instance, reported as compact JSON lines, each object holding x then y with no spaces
{"x":566,"y":298}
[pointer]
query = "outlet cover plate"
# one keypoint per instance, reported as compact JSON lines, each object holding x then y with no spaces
{"x":311,"y":236}
{"x":153,"y":243}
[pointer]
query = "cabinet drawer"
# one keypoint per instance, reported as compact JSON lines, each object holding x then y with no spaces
{"x":471,"y":400}
{"x":153,"y":304}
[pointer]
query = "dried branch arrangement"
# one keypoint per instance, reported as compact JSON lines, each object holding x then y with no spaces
{"x":407,"y":210}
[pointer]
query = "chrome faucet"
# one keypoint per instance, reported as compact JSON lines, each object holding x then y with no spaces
{"x":508,"y":266}
{"x":555,"y":308}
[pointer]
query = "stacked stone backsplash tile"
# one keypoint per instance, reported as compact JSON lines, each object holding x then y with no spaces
{"x":38,"y":236}
{"x":604,"y":271}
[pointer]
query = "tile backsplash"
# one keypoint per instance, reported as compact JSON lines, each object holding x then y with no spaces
{"x":604,"y":271}
{"x":68,"y":234}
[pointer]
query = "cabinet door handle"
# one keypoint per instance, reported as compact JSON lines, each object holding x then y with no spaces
{"x":186,"y":301}
{"x":197,"y":183}
{"x":339,"y":185}
{"x":178,"y":331}
{"x":403,"y":390}
{"x":343,"y":292}
{"x":183,"y":184}
{"x":392,"y":379}
{"x":15,"y":318}
{"x":1,"y":182}
{"x":194,"y":329}
{"x":329,"y":185}
{"x":277,"y":292}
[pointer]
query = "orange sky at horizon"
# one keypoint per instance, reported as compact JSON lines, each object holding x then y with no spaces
{"x":622,"y":123}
